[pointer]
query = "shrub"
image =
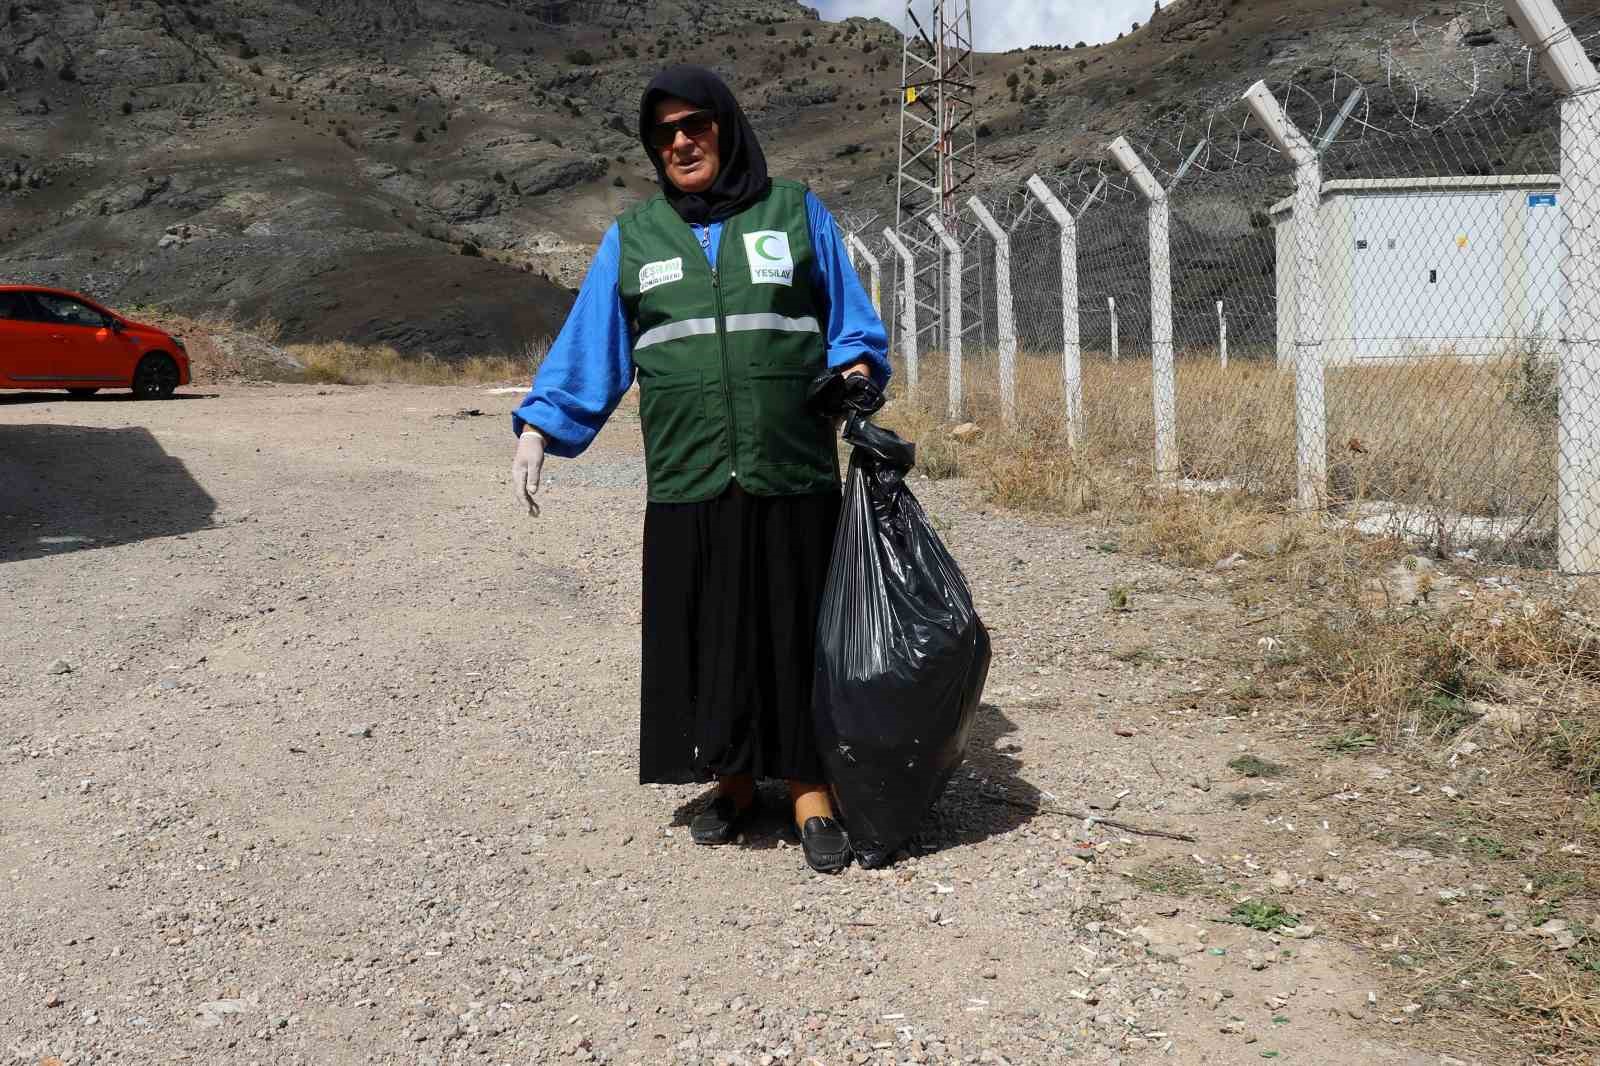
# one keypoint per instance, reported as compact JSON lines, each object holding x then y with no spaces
{"x":580,"y":57}
{"x":127,"y":107}
{"x":419,"y":136}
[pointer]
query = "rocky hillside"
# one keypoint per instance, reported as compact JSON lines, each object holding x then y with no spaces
{"x":433,"y":174}
{"x":430,"y":175}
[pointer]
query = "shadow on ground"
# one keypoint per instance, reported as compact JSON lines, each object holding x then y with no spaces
{"x":67,"y":488}
{"x":986,"y":797}
{"x":23,"y":399}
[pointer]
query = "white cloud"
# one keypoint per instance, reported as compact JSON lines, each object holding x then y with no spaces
{"x":1001,"y":24}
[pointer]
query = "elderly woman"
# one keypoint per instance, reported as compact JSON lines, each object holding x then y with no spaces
{"x":725,"y":294}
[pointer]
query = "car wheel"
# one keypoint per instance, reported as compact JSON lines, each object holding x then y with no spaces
{"x":81,"y":394}
{"x":155,"y":378}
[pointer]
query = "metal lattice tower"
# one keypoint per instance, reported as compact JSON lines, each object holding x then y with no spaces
{"x":939,"y":159}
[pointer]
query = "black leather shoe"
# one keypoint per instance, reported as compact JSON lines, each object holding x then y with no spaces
{"x":825,"y":844}
{"x":720,"y":822}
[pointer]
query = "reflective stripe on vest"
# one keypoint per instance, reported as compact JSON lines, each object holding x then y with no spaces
{"x":697,"y":327}
{"x":743,"y":323}
{"x":672,"y":331}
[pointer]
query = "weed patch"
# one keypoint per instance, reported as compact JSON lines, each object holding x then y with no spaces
{"x":1255,"y":766}
{"x":1169,"y":878}
{"x":1350,"y":743}
{"x":1261,"y":916}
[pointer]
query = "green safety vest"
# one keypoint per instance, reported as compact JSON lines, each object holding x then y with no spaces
{"x":725,"y":355}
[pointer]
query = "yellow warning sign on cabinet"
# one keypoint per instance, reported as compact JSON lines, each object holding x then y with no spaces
{"x":911,"y":95}
{"x":1461,"y":240}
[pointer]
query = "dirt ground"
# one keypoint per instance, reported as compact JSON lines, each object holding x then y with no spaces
{"x":315,"y":749}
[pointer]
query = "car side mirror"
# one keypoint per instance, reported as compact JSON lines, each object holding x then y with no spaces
{"x":115,"y":325}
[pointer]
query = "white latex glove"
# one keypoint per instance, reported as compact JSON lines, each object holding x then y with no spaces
{"x":526,"y":468}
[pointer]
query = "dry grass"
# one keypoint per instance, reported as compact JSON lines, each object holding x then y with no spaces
{"x":219,"y":350}
{"x":210,"y":360}
{"x":1443,"y":436}
{"x":1030,"y":467}
{"x":1411,"y":670}
{"x":1413,"y":680}
{"x":342,"y":363}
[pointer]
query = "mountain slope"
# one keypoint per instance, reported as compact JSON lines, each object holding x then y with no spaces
{"x":325,"y":163}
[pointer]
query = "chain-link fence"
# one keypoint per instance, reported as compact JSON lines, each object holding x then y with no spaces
{"x":1369,"y":286}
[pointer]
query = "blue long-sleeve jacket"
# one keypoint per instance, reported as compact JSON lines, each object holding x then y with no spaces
{"x":590,"y":365}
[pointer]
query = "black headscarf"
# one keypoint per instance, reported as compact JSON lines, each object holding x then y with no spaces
{"x":742,"y":181}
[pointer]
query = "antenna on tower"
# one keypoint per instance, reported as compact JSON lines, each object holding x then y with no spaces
{"x":938,"y":159}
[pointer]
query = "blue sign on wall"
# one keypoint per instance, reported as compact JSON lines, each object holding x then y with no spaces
{"x":1541,"y":199}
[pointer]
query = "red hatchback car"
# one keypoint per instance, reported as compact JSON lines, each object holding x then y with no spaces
{"x":50,"y":339}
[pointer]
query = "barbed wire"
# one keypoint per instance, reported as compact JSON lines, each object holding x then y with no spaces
{"x":1452,"y":427}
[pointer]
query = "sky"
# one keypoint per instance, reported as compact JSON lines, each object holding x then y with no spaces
{"x":1001,"y":24}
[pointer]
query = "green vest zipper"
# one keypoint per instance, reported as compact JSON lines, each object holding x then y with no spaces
{"x":722,"y":348}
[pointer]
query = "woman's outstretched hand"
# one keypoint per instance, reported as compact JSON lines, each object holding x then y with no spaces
{"x":526,"y":468}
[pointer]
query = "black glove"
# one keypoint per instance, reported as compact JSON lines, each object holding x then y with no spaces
{"x":834,"y":394}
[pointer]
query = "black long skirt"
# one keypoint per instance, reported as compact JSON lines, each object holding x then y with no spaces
{"x":732,"y":587}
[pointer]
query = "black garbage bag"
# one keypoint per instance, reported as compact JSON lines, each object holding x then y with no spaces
{"x":901,"y":654}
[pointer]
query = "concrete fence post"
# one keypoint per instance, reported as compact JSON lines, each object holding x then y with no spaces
{"x":1005,"y":320}
{"x":1310,"y":398}
{"x":1578,"y":460}
{"x":952,"y":312}
{"x":908,"y":308}
{"x":1071,"y":330}
{"x":1111,"y":305}
{"x":1222,"y":334}
{"x":850,"y":250}
{"x":874,"y":271}
{"x":1579,"y":373}
{"x":1163,"y":373}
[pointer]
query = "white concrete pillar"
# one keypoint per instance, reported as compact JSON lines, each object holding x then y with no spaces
{"x":908,"y":310}
{"x":1310,"y":398}
{"x":1578,"y":465}
{"x":952,"y":316}
{"x":1111,"y":305}
{"x":1005,"y":320}
{"x":1071,"y":336}
{"x":874,"y":271}
{"x":1222,"y":334}
{"x":1163,"y":374}
{"x":1562,"y":57}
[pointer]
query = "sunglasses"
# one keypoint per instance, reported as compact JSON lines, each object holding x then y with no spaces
{"x":694,"y":125}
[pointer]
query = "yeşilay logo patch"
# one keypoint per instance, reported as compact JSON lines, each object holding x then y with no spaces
{"x":771,"y":262}
{"x":660,"y":273}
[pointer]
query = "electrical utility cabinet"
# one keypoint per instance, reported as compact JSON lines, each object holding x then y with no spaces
{"x":1418,"y":268}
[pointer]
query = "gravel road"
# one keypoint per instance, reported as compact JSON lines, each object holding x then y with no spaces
{"x":314,"y":749}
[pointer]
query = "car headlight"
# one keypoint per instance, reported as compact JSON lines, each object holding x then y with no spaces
{"x":182,"y":347}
